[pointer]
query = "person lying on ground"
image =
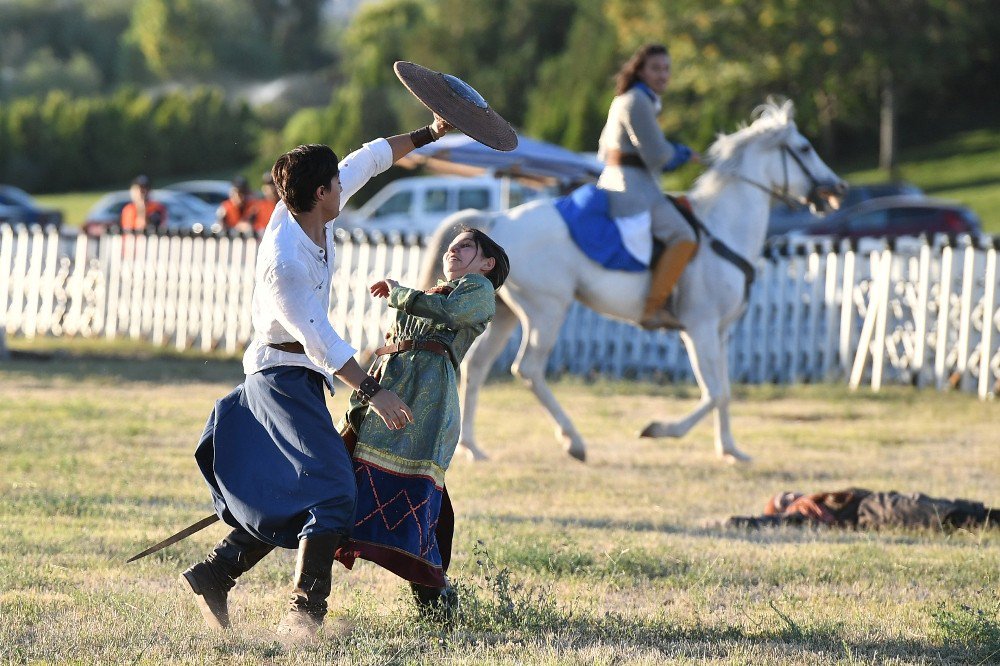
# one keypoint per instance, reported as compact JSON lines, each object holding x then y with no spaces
{"x":858,"y":508}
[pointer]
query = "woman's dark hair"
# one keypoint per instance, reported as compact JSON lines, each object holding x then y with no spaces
{"x":491,"y":250}
{"x":629,"y":73}
{"x":300,"y":172}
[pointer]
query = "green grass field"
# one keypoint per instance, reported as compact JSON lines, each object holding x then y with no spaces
{"x":615,"y":561}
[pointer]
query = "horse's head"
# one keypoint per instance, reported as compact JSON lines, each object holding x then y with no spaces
{"x":771,"y":154}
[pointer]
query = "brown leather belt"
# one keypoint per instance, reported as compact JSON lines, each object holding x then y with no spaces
{"x":408,"y":345}
{"x":618,"y":158}
{"x":290,"y":347}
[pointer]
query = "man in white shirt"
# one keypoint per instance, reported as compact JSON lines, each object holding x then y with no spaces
{"x":278,"y":470}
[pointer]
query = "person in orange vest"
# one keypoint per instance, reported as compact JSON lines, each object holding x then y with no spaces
{"x":142,"y":212}
{"x":236,"y":212}
{"x":264,"y":207}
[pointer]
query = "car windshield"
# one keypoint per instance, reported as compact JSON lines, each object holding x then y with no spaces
{"x":18,"y":197}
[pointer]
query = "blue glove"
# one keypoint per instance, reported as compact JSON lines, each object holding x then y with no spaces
{"x":681,"y":156}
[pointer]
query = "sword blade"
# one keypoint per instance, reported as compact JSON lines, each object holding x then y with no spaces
{"x":180,"y":536}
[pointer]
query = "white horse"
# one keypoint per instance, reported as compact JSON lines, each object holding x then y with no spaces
{"x":766,"y":160}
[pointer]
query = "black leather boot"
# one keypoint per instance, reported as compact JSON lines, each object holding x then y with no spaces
{"x":311,"y":586}
{"x":436,"y":603}
{"x":212,"y":579}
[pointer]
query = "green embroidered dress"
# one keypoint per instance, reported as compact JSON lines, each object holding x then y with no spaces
{"x":400,"y":473}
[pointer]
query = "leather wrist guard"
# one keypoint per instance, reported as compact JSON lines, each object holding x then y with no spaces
{"x":422,"y":136}
{"x":369,"y":387}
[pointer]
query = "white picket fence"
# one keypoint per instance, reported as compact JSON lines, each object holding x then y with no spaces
{"x":921,"y":314}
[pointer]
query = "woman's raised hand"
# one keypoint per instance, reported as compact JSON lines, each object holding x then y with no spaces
{"x":382,"y":288}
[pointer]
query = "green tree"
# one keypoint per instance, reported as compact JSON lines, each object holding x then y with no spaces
{"x":569,"y":103}
{"x":174,"y":36}
{"x":292,"y":30}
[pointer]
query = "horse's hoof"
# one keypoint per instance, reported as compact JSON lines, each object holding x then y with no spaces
{"x":736,"y":457}
{"x":574,"y":446}
{"x":656,"y":430}
{"x":473,"y":453}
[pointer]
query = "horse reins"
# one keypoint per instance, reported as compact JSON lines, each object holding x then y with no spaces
{"x":783,"y":195}
{"x":726,"y":252}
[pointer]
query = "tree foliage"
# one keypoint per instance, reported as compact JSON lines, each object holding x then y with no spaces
{"x":851,"y":66}
{"x":64,"y":143}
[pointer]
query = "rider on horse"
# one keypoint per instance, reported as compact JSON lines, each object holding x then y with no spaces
{"x":635,"y":152}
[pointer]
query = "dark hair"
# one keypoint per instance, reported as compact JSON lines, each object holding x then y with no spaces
{"x":629,"y":73}
{"x":300,"y":172}
{"x":491,"y":250}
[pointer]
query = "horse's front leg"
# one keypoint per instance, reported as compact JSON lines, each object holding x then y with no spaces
{"x":475,"y":369}
{"x":707,"y":350}
{"x":541,"y":320}
{"x":725,"y":445}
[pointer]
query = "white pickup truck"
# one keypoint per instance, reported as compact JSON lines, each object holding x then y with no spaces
{"x":418,"y":204}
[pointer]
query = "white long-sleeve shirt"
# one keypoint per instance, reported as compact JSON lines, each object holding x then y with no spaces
{"x":291,"y":296}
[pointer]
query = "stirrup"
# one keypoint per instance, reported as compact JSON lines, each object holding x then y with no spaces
{"x":661,"y":319}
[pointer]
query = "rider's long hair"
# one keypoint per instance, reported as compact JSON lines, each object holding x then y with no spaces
{"x":629,"y":73}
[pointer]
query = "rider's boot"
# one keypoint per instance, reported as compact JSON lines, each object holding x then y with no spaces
{"x":212,"y":579}
{"x":666,"y":273}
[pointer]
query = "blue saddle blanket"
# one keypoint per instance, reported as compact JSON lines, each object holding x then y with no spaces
{"x":623,"y":244}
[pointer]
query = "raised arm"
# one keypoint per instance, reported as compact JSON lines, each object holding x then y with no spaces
{"x":472,"y":302}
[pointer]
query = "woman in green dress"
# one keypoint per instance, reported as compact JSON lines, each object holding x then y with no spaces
{"x":403,"y":517}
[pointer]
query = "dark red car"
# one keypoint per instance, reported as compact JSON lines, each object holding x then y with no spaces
{"x":892,"y":217}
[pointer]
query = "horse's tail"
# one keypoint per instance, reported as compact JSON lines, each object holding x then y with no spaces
{"x":438,"y":242}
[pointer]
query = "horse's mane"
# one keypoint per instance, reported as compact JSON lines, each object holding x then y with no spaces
{"x":772,"y":122}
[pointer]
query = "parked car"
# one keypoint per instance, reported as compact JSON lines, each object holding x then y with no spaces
{"x":419,"y":203}
{"x":892,"y":217}
{"x":11,"y":215}
{"x":17,"y":206}
{"x":212,"y":192}
{"x":185,"y":212}
{"x":785,"y":218}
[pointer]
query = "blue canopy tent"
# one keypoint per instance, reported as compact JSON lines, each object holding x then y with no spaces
{"x":533,"y":161}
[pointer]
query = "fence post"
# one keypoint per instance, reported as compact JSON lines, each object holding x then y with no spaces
{"x":986,"y":343}
{"x":944,"y":303}
{"x":847,"y":309}
{"x":965,"y":313}
{"x":878,"y":353}
{"x":920,"y":315}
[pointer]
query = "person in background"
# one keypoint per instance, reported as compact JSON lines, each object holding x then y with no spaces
{"x":264,"y":207}
{"x":635,"y":153}
{"x":236,"y":212}
{"x":857,"y":508}
{"x":142,"y":212}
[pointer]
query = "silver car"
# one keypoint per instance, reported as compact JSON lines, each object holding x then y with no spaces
{"x":185,"y":212}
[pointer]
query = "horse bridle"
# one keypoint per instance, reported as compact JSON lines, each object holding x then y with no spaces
{"x":783,"y":194}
